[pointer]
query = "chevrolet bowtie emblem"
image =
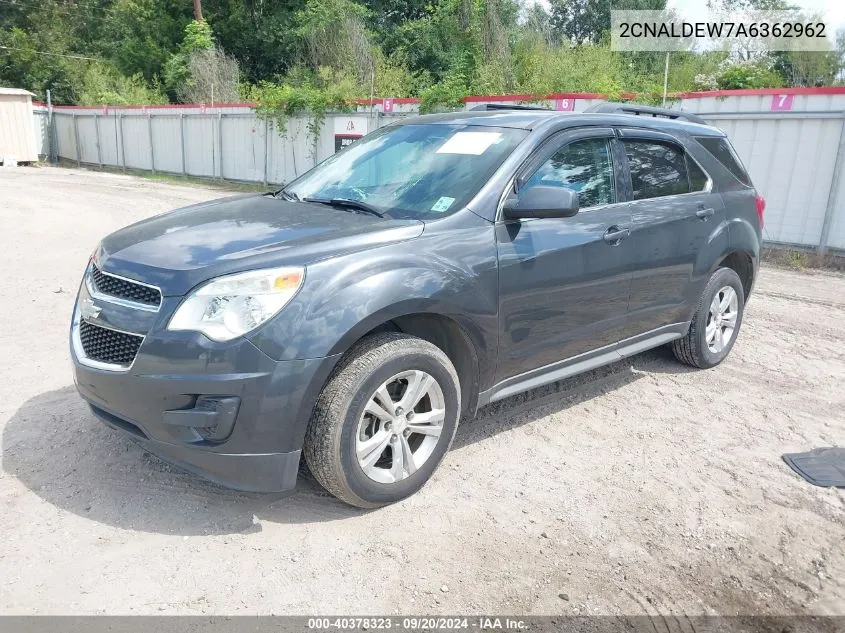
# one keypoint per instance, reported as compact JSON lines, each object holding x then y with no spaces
{"x":90,"y":310}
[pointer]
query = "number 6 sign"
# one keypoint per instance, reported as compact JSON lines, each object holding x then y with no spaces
{"x":567,"y":105}
{"x":781,"y":103}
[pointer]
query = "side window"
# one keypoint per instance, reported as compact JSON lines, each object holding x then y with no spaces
{"x":584,"y":166}
{"x":658,"y":169}
{"x":725,"y":154}
{"x":697,"y":178}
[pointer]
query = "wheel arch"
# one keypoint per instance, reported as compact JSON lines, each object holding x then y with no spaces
{"x":442,"y":330}
{"x":742,"y":263}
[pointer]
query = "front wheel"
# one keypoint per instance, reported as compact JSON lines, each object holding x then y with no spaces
{"x":716,"y":322}
{"x":384,"y":420}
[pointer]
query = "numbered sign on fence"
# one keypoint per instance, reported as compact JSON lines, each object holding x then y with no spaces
{"x":781,"y":103}
{"x":567,"y":105}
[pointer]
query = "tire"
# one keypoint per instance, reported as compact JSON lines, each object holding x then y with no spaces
{"x":694,"y":348}
{"x":342,"y":421}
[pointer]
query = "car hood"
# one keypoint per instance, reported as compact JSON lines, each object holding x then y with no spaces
{"x":177,"y":250}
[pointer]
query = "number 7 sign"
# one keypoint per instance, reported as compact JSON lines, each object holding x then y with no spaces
{"x":781,"y":103}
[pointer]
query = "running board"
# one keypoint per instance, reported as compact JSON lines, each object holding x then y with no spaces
{"x":581,"y":363}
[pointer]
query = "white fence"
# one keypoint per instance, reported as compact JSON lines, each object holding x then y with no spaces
{"x":795,"y":155}
{"x":228,"y":145}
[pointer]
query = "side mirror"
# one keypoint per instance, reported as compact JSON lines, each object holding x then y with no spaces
{"x":542,"y":202}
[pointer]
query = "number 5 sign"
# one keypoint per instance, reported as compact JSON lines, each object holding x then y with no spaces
{"x":781,"y":103}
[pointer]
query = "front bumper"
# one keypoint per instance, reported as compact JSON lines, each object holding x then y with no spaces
{"x":252,"y":472}
{"x":227,"y":412}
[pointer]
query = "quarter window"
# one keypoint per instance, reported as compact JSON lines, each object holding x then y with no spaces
{"x":725,"y":154}
{"x":583,"y":166}
{"x":661,"y":169}
{"x":697,"y":178}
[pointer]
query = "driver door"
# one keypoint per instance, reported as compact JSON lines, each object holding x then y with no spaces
{"x":564,"y":283}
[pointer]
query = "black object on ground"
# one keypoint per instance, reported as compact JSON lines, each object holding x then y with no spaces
{"x":820,"y":466}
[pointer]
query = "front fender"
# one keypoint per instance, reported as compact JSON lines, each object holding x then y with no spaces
{"x":449,"y":272}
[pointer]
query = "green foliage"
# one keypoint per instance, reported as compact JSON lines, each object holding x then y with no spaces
{"x":581,"y":21}
{"x":21,"y":66}
{"x":738,"y":75}
{"x":198,"y":37}
{"x":138,"y":36}
{"x":313,"y":97}
{"x":312,"y":55}
{"x":177,"y":71}
{"x":445,"y":95}
{"x":331,"y":34}
{"x":105,"y":85}
{"x":542,"y":69}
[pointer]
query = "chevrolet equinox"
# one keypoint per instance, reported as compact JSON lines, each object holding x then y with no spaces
{"x":439,"y":264}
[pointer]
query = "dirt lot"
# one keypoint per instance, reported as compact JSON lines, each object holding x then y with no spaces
{"x":643,"y":488}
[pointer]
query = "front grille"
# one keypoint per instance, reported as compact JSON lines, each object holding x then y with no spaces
{"x":108,"y":346}
{"x":117,"y":287}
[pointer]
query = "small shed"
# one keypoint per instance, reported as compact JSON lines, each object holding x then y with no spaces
{"x":17,"y":126}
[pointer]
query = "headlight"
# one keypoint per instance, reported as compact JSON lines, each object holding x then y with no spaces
{"x":233,"y":305}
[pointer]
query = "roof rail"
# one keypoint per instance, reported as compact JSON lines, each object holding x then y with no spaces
{"x":643,"y":110}
{"x":505,"y":106}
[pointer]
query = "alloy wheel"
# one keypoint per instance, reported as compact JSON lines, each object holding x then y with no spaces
{"x":721,"y":319}
{"x":400,"y":427}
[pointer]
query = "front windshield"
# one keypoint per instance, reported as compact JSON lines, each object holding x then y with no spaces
{"x":411,"y":171}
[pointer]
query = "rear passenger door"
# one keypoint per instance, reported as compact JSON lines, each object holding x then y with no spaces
{"x":673,"y":215}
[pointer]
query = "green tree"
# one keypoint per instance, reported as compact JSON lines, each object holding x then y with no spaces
{"x":139,"y":36}
{"x":580,"y":21}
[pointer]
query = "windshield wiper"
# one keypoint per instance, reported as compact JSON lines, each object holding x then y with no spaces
{"x":348,"y":203}
{"x":287,"y":195}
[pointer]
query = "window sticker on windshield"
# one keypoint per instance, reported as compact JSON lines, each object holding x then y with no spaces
{"x":473,"y":143}
{"x":443,"y":204}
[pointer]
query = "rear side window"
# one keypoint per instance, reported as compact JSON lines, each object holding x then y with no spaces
{"x":725,"y":154}
{"x":659,"y":169}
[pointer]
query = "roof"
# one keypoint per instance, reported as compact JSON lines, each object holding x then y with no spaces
{"x":531,"y":119}
{"x":15,"y":91}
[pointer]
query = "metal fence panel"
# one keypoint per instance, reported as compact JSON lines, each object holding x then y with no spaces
{"x":42,"y":132}
{"x":243,"y":147}
{"x":791,"y":156}
{"x":791,"y":162}
{"x":201,"y":145}
{"x":166,"y":143}
{"x":86,"y":132}
{"x":289,"y":155}
{"x":65,"y":140}
{"x":137,"y":151}
{"x":110,"y":139}
{"x":835,"y":225}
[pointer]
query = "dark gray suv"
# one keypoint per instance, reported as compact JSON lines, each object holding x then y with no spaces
{"x":437,"y":265}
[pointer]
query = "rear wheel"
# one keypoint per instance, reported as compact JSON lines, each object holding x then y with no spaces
{"x":716,"y":322}
{"x":384,"y":420}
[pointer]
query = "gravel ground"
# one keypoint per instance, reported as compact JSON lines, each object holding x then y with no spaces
{"x":641,"y":488}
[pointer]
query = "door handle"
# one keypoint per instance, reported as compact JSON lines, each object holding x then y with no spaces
{"x":615,"y":234}
{"x":705,"y":214}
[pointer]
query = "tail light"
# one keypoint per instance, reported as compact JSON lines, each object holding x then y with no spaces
{"x":761,"y":208}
